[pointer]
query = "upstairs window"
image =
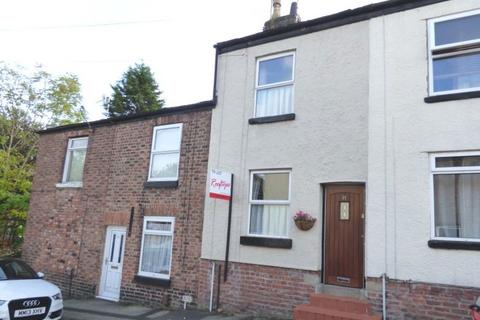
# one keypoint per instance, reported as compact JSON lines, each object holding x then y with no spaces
{"x":165,"y":156}
{"x":269,"y":203}
{"x":454,"y":53}
{"x":274,"y":85}
{"x":75,"y":160}
{"x":456,"y":196}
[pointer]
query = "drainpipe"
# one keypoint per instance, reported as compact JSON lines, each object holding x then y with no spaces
{"x":211,"y":287}
{"x":70,"y":282}
{"x":385,"y":158}
{"x":384,"y":296}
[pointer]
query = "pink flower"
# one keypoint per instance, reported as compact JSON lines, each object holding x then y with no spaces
{"x":300,"y":215}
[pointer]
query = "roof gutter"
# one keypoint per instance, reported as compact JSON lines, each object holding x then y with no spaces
{"x":195,"y":107}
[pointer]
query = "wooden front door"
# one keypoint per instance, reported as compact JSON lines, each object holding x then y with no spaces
{"x":344,"y":235}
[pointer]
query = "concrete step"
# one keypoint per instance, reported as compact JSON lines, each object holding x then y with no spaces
{"x":309,"y":312}
{"x":344,"y":304}
{"x":341,"y":291}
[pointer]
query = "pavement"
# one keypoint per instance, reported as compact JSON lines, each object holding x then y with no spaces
{"x":96,"y":309}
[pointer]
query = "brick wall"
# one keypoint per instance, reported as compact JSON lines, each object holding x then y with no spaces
{"x":258,"y":290}
{"x":65,"y":232}
{"x":422,"y":301}
{"x":272,"y":291}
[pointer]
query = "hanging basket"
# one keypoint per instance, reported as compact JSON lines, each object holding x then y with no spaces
{"x":304,"y":225}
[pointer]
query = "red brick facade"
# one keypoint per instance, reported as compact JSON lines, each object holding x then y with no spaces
{"x":422,"y":301}
{"x":258,"y":290}
{"x":65,"y":233}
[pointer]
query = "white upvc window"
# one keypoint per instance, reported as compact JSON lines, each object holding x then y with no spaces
{"x":156,"y":250}
{"x":75,"y":160}
{"x":454,"y":53}
{"x":165,"y":154}
{"x":456,"y":196}
{"x":274,"y":85}
{"x":269,"y":203}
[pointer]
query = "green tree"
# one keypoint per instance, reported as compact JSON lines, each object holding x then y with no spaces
{"x":137,"y":91}
{"x":29,"y":101}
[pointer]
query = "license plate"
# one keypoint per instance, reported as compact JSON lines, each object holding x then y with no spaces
{"x":29,"y":312}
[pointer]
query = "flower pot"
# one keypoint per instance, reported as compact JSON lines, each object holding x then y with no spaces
{"x":304,"y":224}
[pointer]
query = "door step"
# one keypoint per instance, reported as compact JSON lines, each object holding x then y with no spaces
{"x":341,"y":291}
{"x":330,"y":307}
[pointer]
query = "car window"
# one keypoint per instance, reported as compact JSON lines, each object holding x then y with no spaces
{"x":16,"y":270}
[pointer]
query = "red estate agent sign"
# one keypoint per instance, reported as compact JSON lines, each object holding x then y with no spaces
{"x":220,"y":185}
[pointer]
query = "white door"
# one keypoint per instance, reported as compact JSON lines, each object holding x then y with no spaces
{"x":112,"y":264}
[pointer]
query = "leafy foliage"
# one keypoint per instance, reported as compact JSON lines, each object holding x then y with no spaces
{"x":137,"y":91}
{"x":29,"y":101}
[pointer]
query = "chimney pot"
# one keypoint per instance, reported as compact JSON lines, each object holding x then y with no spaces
{"x":293,"y":8}
{"x":277,"y":21}
{"x":277,"y":9}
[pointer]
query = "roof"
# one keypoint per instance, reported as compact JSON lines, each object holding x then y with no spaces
{"x":195,"y":107}
{"x":327,"y":22}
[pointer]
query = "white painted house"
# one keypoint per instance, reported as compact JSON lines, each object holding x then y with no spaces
{"x":369,"y":120}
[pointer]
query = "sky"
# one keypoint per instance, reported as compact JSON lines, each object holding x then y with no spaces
{"x":98,"y":40}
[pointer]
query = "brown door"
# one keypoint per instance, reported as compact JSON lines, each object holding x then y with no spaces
{"x":344,"y":234}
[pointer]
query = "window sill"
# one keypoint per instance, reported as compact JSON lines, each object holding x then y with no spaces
{"x":161,"y":184}
{"x":453,"y":96}
{"x":279,"y":243}
{"x":69,"y":185}
{"x":152,"y":281}
{"x":454,"y":245}
{"x":282,"y":117}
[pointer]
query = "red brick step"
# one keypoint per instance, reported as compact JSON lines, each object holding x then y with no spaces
{"x":345,"y":304}
{"x":308,"y":312}
{"x":329,"y":307}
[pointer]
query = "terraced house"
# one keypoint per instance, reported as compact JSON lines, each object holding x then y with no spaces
{"x":117,"y":206}
{"x":366,"y":121}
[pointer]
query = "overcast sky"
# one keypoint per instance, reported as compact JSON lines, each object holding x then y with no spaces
{"x":98,"y":39}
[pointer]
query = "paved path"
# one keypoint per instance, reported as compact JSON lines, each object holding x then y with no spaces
{"x":105,"y":310}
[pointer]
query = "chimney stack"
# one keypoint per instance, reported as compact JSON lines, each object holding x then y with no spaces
{"x":277,"y":20}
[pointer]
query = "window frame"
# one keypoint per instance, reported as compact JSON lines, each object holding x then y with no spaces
{"x":153,"y":152}
{"x":66,"y":165}
{"x":268,"y":202}
{"x":277,"y":84}
{"x":461,"y":46}
{"x":171,"y":233}
{"x":445,"y":171}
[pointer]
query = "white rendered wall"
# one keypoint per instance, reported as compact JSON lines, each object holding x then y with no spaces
{"x":327,"y":142}
{"x":403,"y":130}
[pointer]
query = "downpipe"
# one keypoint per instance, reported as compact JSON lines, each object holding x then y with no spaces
{"x":211,"y":287}
{"x":384,"y":296}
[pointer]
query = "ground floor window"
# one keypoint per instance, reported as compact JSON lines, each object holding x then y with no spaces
{"x":157,"y":242}
{"x":269,"y":203}
{"x":456,"y":196}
